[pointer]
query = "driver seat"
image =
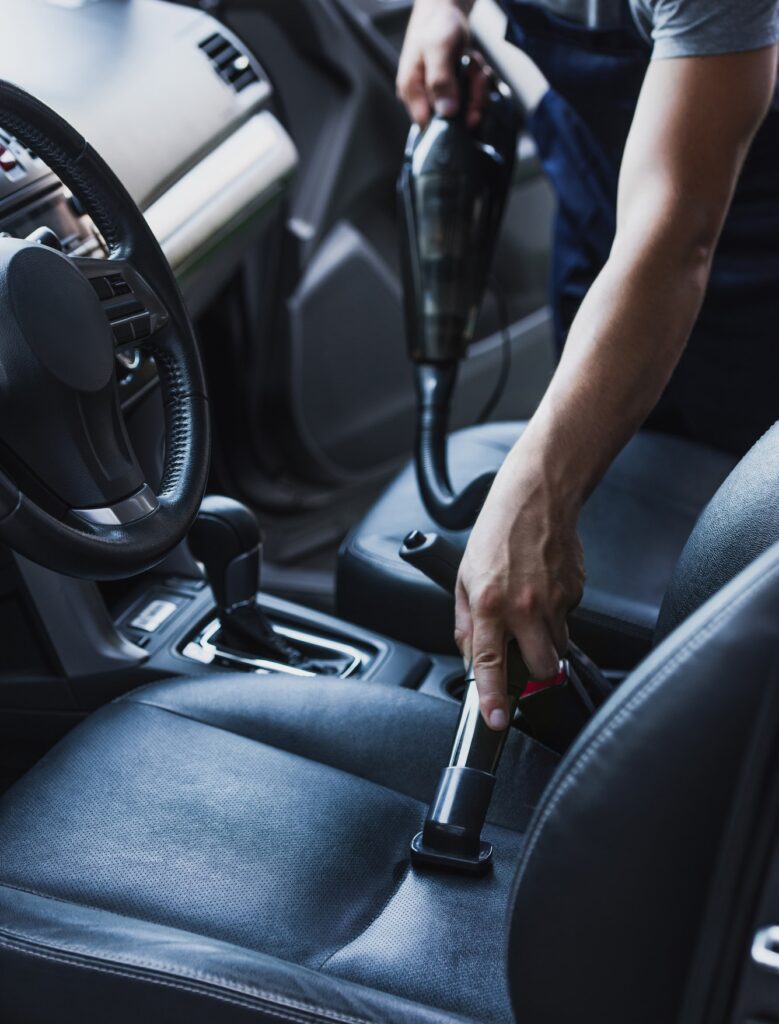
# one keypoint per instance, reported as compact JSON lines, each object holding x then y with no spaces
{"x":235,"y":849}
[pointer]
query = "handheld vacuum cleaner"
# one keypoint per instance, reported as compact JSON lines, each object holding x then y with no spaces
{"x":452,"y":191}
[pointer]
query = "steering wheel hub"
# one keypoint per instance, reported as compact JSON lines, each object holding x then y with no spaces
{"x":50,"y":317}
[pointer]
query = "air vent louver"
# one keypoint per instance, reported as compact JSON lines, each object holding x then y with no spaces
{"x":232,"y":66}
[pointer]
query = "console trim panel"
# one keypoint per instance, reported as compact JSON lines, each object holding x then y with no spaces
{"x":204,"y":649}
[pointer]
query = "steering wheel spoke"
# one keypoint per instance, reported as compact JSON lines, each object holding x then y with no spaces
{"x":129,"y":510}
{"x":133,"y":309}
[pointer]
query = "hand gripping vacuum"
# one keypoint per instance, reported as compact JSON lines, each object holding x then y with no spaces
{"x":452,"y":190}
{"x":552,"y":711}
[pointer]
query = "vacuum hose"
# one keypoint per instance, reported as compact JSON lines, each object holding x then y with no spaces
{"x":435,"y":386}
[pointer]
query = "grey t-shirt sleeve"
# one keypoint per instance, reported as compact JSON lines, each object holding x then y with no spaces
{"x":695,"y":28}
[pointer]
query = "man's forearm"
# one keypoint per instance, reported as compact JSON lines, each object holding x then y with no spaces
{"x":622,"y":348}
{"x":676,"y":181}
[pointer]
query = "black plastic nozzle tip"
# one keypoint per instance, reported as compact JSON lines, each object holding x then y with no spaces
{"x":426,"y":857}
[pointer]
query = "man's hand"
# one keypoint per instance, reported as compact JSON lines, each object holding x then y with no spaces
{"x":521,"y":574}
{"x":436,"y":38}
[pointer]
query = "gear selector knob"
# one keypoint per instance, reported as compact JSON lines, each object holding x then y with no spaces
{"x":226,"y":538}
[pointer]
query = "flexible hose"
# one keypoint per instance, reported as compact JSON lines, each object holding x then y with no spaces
{"x":435,"y":385}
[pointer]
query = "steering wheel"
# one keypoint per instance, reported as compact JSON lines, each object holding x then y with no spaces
{"x":72,"y":494}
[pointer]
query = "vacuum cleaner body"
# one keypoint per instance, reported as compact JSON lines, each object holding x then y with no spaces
{"x":452,"y":191}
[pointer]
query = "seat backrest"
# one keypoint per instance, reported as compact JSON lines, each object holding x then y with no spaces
{"x":739,"y":523}
{"x":615,"y":870}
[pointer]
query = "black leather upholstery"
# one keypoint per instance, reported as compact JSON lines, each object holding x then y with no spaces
{"x":230,"y":827}
{"x":615,"y":868}
{"x":738,"y":524}
{"x":235,"y":849}
{"x":633,"y":529}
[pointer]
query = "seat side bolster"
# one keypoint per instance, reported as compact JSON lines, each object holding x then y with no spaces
{"x":636,"y":811}
{"x":146,"y":971}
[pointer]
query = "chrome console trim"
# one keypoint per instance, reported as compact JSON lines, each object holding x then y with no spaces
{"x":765,"y":948}
{"x":204,"y":648}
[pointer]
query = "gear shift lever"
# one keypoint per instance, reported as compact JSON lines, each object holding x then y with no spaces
{"x":226,"y":539}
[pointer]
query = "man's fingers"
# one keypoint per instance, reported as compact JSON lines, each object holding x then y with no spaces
{"x":440,"y":79}
{"x":489,"y":666}
{"x":538,"y":649}
{"x":463,"y":625}
{"x":411,"y":89}
{"x":478,"y":86}
{"x":558,"y":631}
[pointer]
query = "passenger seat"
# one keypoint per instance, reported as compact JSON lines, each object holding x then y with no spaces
{"x":633,"y":530}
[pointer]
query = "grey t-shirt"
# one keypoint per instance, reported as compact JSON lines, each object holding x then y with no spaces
{"x":694,"y":28}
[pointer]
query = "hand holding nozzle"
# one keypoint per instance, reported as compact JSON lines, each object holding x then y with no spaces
{"x":552,"y":711}
{"x":451,"y":836}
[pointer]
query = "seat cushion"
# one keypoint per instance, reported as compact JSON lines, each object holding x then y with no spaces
{"x":633,"y":529}
{"x":271,"y":818}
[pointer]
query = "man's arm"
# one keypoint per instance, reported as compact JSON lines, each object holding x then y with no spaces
{"x":522,"y":569}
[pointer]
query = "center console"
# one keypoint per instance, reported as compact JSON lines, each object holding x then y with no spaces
{"x":175,"y":622}
{"x":190,"y":618}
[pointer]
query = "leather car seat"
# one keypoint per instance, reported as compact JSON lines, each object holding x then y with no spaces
{"x":633,"y":528}
{"x":230,"y":848}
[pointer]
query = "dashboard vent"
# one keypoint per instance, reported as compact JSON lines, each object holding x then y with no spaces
{"x":232,"y":66}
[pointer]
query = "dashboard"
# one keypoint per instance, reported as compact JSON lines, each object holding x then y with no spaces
{"x":179,"y":109}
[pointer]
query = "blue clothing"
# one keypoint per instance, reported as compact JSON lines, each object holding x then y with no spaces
{"x":725,"y":391}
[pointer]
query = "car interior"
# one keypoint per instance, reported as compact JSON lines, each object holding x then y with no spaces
{"x":243,"y":774}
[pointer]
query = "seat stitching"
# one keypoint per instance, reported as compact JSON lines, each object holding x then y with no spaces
{"x":263,"y":743}
{"x":625,"y":712}
{"x":286,"y":1013}
{"x":207,"y":977}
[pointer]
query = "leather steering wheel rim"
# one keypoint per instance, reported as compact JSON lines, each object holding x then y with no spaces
{"x":115,"y":549}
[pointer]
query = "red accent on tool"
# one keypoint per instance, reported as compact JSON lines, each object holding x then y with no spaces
{"x":534,"y":686}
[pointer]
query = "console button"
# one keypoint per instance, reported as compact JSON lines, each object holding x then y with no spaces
{"x":102,"y":287}
{"x":123,"y":331}
{"x":118,"y":284}
{"x":7,"y":159}
{"x":141,"y":326}
{"x":124,"y":307}
{"x":150,"y":618}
